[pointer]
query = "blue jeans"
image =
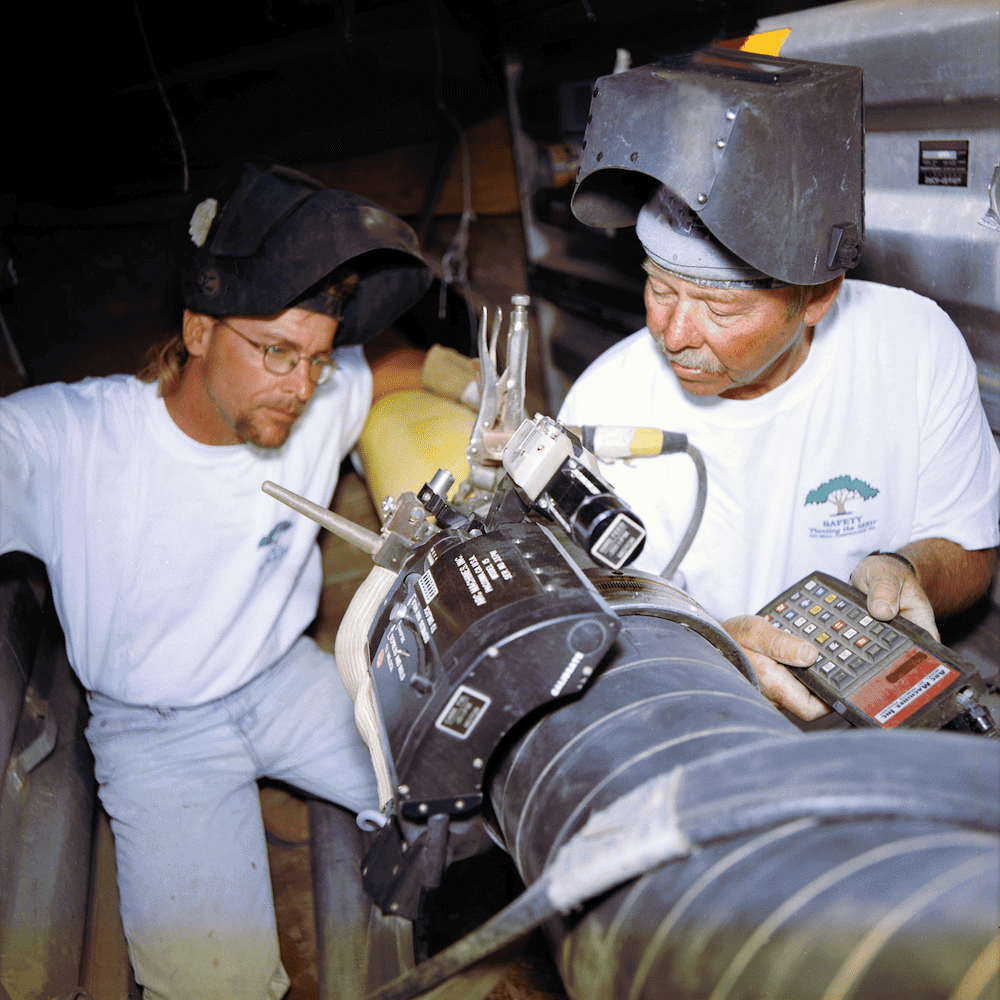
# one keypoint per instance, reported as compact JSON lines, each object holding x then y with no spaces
{"x":180,"y":787}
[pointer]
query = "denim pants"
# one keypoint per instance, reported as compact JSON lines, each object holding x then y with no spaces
{"x":179,"y":785}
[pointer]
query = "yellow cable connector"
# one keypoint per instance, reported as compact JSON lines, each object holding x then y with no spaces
{"x":646,"y":441}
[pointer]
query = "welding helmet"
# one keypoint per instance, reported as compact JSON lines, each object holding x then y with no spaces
{"x":764,"y":155}
{"x":261,"y":237}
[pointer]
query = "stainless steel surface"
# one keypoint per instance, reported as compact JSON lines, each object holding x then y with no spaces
{"x":932,"y":73}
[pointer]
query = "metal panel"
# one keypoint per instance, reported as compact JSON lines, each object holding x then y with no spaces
{"x":932,"y":76}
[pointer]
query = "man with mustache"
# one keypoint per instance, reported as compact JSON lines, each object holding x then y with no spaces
{"x":184,"y":590}
{"x":840,"y":421}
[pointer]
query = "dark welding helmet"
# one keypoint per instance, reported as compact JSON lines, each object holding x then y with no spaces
{"x":766,"y":156}
{"x":262,"y":237}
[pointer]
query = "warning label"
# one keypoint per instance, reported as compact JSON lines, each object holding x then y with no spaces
{"x":900,"y":689}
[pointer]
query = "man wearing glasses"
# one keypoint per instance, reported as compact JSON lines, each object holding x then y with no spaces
{"x":183,"y":589}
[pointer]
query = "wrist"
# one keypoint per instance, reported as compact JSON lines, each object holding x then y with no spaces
{"x":899,"y":558}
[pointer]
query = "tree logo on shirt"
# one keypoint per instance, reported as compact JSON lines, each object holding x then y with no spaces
{"x":839,"y":491}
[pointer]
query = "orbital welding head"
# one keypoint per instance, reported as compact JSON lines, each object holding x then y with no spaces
{"x":261,"y":237}
{"x":768,"y":152}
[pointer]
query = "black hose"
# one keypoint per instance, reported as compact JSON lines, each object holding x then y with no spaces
{"x":696,"y":515}
{"x":825,"y":865}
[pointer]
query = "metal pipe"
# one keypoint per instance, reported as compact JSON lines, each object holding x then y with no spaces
{"x":336,"y":847}
{"x":779,"y":898}
{"x":359,"y":537}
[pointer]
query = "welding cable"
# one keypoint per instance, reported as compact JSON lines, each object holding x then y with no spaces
{"x":351,"y":653}
{"x":670,"y":815}
{"x":611,"y":441}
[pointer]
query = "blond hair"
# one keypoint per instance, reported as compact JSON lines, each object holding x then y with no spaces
{"x":164,"y":364}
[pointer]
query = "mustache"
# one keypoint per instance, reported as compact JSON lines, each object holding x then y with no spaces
{"x":293,"y":409}
{"x":691,"y":357}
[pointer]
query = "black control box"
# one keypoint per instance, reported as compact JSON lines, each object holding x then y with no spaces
{"x":478,"y":632}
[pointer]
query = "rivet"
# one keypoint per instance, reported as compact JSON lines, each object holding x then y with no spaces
{"x":634,"y":157}
{"x":404,"y":789}
{"x":422,"y":808}
{"x":394,"y":907}
{"x":600,"y":156}
{"x":721,"y":143}
{"x":459,"y":803}
{"x":493,"y":652}
{"x":702,"y":198}
{"x":730,"y":115}
{"x":596,"y":89}
{"x":477,"y":763}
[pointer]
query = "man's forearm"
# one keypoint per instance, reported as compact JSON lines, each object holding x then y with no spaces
{"x":952,"y":577}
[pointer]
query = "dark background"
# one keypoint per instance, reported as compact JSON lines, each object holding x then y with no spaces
{"x":93,"y":175}
{"x":294,"y":79}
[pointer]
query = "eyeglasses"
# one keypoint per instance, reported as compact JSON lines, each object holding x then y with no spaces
{"x":280,"y":360}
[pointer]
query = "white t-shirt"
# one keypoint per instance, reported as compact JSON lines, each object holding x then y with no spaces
{"x":176,"y":580}
{"x":886,"y":402}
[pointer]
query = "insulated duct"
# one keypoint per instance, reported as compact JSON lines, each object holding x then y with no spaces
{"x":827,"y":865}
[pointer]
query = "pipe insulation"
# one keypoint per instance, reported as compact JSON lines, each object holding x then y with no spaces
{"x":831,"y":865}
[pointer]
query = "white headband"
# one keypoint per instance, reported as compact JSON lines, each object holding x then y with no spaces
{"x":677,"y":241}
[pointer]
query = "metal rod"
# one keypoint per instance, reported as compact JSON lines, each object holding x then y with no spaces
{"x":359,"y":537}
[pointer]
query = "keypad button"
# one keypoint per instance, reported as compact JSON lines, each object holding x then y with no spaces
{"x":799,"y":622}
{"x":781,"y":607}
{"x":837,"y":626}
{"x":833,"y":647}
{"x":815,"y":609}
{"x":829,"y":599}
{"x":840,"y":605}
{"x":789,"y":615}
{"x":810,"y":585}
{"x":825,"y":665}
{"x":844,"y":655}
{"x":853,"y":614}
{"x":850,"y":633}
{"x":841,"y":679}
{"x":822,"y":637}
{"x":809,"y":629}
{"x":819,"y":591}
{"x":796,"y":596}
{"x":878,"y":629}
{"x":862,"y":640}
{"x":825,"y":617}
{"x":805,"y":602}
{"x":866,"y":621}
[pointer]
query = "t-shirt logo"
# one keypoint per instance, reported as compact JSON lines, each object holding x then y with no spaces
{"x":270,"y":542}
{"x":272,"y":536}
{"x":843,"y":493}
